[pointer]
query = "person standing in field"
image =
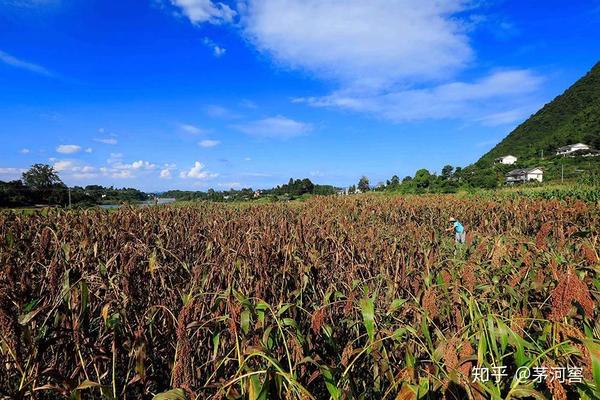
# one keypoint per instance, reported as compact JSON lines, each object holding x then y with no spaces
{"x":459,"y":230}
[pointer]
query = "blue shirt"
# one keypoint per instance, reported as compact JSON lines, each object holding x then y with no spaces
{"x":458,"y":228}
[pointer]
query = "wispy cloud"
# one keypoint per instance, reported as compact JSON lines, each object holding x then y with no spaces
{"x":75,"y":169}
{"x":111,"y":140}
{"x":24,"y":151}
{"x":401,"y":62}
{"x":192,"y":129}
{"x":17,"y":63}
{"x":116,"y":168}
{"x":139,"y":165}
{"x":68,"y":148}
{"x":114,"y":157}
{"x":220,"y":112}
{"x":278,"y":127}
{"x":499,"y":98}
{"x":229,"y":185}
{"x":200,"y":11}
{"x":396,"y":60}
{"x":63,"y":165}
{"x":217,"y":50}
{"x":208,"y":143}
{"x":11,"y":172}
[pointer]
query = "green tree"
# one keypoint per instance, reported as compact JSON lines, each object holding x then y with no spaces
{"x":447,"y":171}
{"x":422,"y":179}
{"x":41,"y":176}
{"x":13,"y":194}
{"x":363,"y":184}
{"x":44,"y":185}
{"x":306,"y":186}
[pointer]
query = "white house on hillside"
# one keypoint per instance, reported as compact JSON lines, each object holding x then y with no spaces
{"x":525,"y":175}
{"x":508,"y":160}
{"x":571,"y":148}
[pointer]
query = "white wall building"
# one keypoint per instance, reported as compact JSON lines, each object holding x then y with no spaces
{"x":525,"y":175}
{"x":571,"y":148}
{"x":508,"y":160}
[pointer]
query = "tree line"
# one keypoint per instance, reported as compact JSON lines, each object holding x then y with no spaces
{"x":295,"y":188}
{"x":41,"y":185}
{"x":450,"y":180}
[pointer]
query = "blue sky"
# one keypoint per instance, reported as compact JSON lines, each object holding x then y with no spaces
{"x":193,"y":94}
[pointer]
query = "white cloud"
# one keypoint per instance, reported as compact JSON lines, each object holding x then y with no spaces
{"x":199,"y":11}
{"x":110,"y":140}
{"x":362,"y":43}
{"x":114,"y":158}
{"x":17,"y":63}
{"x":140,"y":164}
{"x":208,"y":143}
{"x":230,"y":185}
{"x":85,"y":172}
{"x":122,"y":174}
{"x":218,"y":51}
{"x":165,"y":173}
{"x":220,"y":112}
{"x":68,"y":148}
{"x":88,"y":150}
{"x":247,"y":159}
{"x":64,"y":165}
{"x":197,"y":172}
{"x":394,"y":59}
{"x":10,"y":173}
{"x":24,"y":151}
{"x":275,"y":127}
{"x":118,"y":169}
{"x":506,"y":91}
{"x":191,"y":129}
{"x":518,"y":113}
{"x":73,"y":169}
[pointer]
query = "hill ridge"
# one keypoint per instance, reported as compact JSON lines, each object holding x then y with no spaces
{"x":571,"y":117}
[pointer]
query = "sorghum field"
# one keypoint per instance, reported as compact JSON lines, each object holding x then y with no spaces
{"x":360,"y":297}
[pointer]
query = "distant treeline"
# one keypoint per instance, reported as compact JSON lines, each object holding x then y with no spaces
{"x":16,"y":194}
{"x":295,"y":188}
{"x":42,"y":185}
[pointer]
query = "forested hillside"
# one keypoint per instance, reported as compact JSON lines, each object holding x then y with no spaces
{"x":572,"y":117}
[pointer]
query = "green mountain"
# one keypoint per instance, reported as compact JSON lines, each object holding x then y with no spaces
{"x":573,"y":117}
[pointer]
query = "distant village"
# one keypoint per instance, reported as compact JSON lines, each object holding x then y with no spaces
{"x":537,"y":173}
